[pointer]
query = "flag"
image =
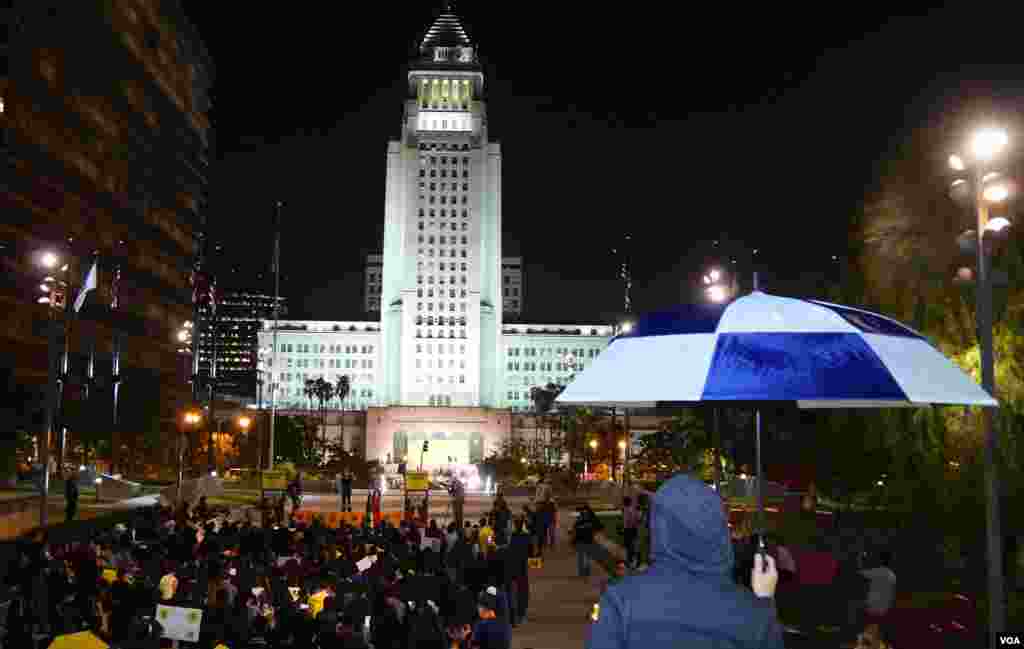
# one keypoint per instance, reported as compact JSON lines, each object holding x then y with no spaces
{"x":90,"y":284}
{"x":115,"y":289}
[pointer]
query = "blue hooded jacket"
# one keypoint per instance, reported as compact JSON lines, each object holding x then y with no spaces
{"x":687,"y":598}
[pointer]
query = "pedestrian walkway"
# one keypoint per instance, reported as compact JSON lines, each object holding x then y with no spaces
{"x":560,"y":602}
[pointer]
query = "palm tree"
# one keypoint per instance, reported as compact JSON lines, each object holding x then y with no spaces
{"x":543,"y":399}
{"x":309,"y":390}
{"x":342,"y":388}
{"x":323,"y":391}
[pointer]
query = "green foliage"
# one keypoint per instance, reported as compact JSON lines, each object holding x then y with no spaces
{"x":682,"y":445}
{"x":506,"y":465}
{"x":295,"y":441}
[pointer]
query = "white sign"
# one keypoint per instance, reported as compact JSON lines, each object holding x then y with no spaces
{"x":180,"y":623}
{"x":364,"y":564}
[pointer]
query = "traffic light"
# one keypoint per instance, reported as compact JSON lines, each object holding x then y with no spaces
{"x":426,"y":446}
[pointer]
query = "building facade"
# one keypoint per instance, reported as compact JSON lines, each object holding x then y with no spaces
{"x":439,"y":364}
{"x":106,"y":136}
{"x":229,"y":343}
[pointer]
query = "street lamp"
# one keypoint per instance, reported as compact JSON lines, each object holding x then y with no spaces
{"x":982,"y":189}
{"x":191,"y":418}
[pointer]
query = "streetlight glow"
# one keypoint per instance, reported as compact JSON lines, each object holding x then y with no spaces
{"x":244,"y":422}
{"x":956,"y":163}
{"x":182,"y":336}
{"x":622,"y":444}
{"x":49,"y":260}
{"x":715,"y":275}
{"x":44,"y":288}
{"x":43,"y":300}
{"x":996,"y":193}
{"x":593,"y":443}
{"x":987,"y":143}
{"x":716,"y":293}
{"x":627,"y":327}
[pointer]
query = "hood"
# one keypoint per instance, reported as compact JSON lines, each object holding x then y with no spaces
{"x":688,"y":529}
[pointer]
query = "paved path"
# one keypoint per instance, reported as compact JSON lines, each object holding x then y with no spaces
{"x":560,"y":601}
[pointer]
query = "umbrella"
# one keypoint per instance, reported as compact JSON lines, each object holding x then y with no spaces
{"x":81,"y":640}
{"x":765,"y":348}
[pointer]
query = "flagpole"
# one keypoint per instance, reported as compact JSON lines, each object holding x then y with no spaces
{"x":115,"y":373}
{"x":277,"y":316}
{"x":65,"y":361}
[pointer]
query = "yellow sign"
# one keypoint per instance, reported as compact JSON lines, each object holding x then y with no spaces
{"x":417,"y":481}
{"x":109,"y":576}
{"x":275,"y":480}
{"x":316,"y":602}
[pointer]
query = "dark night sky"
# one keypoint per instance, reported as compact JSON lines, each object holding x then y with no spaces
{"x":759,"y":124}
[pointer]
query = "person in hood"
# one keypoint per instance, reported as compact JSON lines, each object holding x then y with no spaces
{"x":687,"y":598}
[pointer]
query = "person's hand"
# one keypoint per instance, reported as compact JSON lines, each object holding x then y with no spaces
{"x":764,"y":577}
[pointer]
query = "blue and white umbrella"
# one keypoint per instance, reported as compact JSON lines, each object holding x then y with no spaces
{"x":767,"y":348}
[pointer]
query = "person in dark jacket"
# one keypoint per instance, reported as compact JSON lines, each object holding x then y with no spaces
{"x":519,"y":554}
{"x":687,"y":598}
{"x":70,"y":496}
{"x":583,"y":536}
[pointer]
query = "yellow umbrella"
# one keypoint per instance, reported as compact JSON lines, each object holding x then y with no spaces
{"x":81,"y":640}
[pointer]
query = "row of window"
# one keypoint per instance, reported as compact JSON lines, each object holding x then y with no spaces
{"x":547,"y":351}
{"x":432,"y":160}
{"x":512,"y":292}
{"x":440,"y":333}
{"x":441,"y":321}
{"x":288,"y":377}
{"x":440,"y":252}
{"x":444,"y":174}
{"x":443,"y":240}
{"x":440,"y":293}
{"x":440,"y":307}
{"x":303,"y":348}
{"x":530,"y":366}
{"x":440,"y":400}
{"x":426,"y":378}
{"x":440,"y":348}
{"x":442,"y":146}
{"x":440,"y":364}
{"x":440,"y":280}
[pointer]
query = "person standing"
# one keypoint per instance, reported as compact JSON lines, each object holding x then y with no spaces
{"x":458,"y":494}
{"x":688,"y":594}
{"x":346,"y":490}
{"x":583,"y":532}
{"x":630,"y":530}
{"x":338,"y":490}
{"x":70,"y":496}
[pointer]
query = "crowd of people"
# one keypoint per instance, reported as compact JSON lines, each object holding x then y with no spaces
{"x":284,"y":584}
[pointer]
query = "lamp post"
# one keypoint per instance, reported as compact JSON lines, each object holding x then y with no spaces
{"x":191,"y":418}
{"x":623,"y":447}
{"x":243,"y":424}
{"x":983,"y":188}
{"x":590,"y":459}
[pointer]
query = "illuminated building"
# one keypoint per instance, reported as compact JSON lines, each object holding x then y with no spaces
{"x":106,"y":135}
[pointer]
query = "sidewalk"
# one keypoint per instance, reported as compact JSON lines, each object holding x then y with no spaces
{"x":560,"y":602}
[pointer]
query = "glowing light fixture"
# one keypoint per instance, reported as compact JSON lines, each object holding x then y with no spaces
{"x":956,"y":163}
{"x":987,"y":143}
{"x":49,"y":260}
{"x":43,"y":300}
{"x":998,"y":224}
{"x":996,"y":193}
{"x":716,"y":293}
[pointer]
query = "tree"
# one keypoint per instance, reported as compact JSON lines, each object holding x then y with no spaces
{"x":342,"y":388}
{"x":681,"y":445}
{"x":295,"y":440}
{"x":543,"y":399}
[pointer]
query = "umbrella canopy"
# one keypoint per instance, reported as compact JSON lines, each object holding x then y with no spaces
{"x":763,"y":347}
{"x":81,"y":640}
